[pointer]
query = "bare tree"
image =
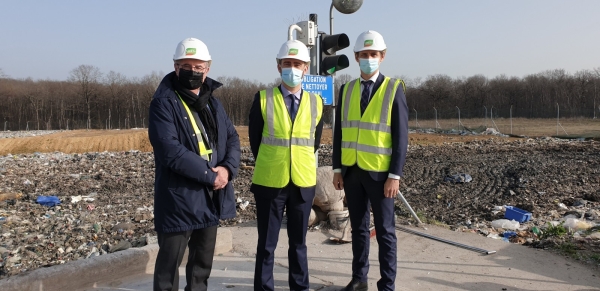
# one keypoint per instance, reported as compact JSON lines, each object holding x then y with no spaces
{"x":151,"y":82}
{"x":439,"y":89}
{"x":115,"y":83}
{"x":87,"y":77}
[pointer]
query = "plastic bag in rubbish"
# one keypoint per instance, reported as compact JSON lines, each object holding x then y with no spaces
{"x":48,"y":200}
{"x":459,"y":178}
{"x":505,"y":224}
{"x":576,"y":224}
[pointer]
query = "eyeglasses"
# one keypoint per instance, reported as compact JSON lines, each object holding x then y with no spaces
{"x":192,"y":68}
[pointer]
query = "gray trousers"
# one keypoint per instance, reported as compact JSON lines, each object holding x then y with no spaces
{"x":201,"y":244}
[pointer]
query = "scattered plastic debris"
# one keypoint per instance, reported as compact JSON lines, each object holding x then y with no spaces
{"x":48,"y":200}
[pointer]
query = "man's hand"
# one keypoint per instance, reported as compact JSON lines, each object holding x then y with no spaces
{"x":222,"y":177}
{"x":390,"y":188}
{"x":338,"y":181}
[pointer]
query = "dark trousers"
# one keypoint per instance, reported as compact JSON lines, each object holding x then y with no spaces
{"x":201,"y":244}
{"x":269,"y":214}
{"x":362,"y":192}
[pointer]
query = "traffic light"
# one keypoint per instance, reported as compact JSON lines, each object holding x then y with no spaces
{"x":329,"y":61}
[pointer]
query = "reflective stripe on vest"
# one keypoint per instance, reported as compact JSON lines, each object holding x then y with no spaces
{"x":287,"y":149}
{"x":367,"y":139}
{"x":204,"y":152}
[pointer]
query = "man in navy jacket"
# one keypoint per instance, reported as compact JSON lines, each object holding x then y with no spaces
{"x":197,"y":153}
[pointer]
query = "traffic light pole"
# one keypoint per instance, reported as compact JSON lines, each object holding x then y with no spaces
{"x":314,"y":52}
{"x":331,"y":19}
{"x":332,"y":77}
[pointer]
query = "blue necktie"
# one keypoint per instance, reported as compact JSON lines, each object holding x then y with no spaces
{"x":293,"y":108}
{"x":364,"y":98}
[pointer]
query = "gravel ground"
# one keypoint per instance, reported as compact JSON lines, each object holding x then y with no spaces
{"x":107,"y":198}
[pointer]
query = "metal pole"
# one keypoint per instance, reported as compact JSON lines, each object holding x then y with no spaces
{"x":416,"y":120}
{"x":511,"y":119}
{"x":412,"y":212}
{"x":314,"y":57}
{"x":437,"y":125}
{"x":331,"y":19}
{"x":332,"y":78}
{"x":458,"y":117}
{"x":485,"y":119}
{"x":557,"y":117}
{"x":492,"y":118}
{"x":446,"y":241}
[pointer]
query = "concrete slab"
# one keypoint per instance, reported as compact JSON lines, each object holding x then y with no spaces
{"x":107,"y":268}
{"x":423,"y":264}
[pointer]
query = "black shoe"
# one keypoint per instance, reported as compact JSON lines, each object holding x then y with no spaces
{"x":355,"y":285}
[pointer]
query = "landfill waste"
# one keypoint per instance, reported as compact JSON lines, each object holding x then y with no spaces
{"x":557,"y":172}
{"x":48,"y":200}
{"x":459,"y":178}
{"x":9,"y":196}
{"x":505,"y":224}
{"x":576,"y":224}
{"x":121,"y":246}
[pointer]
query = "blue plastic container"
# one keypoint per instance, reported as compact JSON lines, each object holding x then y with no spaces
{"x":517,"y":214}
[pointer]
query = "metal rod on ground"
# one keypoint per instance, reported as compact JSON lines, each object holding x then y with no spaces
{"x":408,"y":206}
{"x":446,"y":241}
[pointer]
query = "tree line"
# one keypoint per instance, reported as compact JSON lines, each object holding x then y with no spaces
{"x":90,"y":99}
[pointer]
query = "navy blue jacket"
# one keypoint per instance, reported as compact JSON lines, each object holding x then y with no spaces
{"x":399,"y":127}
{"x":182,"y":177}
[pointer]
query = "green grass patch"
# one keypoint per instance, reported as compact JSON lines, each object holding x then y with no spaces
{"x":554,"y":231}
{"x":568,"y":249}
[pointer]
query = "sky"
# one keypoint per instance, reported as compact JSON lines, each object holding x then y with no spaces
{"x":460,"y":38}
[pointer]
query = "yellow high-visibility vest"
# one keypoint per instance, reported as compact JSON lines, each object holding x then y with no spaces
{"x":205,"y":153}
{"x":367,"y":139}
{"x":287,"y":148}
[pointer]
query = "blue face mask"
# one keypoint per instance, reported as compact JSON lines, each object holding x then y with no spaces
{"x":291,"y":76}
{"x":368,"y":66}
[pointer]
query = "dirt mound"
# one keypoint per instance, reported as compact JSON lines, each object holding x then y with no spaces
{"x":83,"y":141}
{"x":79,"y":141}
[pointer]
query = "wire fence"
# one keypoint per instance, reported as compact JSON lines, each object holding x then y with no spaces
{"x":505,"y":121}
{"x":509,"y":121}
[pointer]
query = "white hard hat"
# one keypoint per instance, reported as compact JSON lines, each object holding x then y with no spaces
{"x":293,"y":49}
{"x":369,"y":40}
{"x":191,"y":48}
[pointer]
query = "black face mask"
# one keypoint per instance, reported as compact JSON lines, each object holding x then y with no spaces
{"x":190,"y":80}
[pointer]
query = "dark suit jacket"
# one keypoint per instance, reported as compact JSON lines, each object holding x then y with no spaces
{"x":399,"y":133}
{"x":255,"y":129}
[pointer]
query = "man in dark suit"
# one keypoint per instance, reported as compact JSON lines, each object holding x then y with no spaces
{"x":369,"y":150}
{"x":285,"y":132}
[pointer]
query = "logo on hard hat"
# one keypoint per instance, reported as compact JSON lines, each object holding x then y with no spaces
{"x":368,"y":42}
{"x":293,"y":52}
{"x":190,"y":51}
